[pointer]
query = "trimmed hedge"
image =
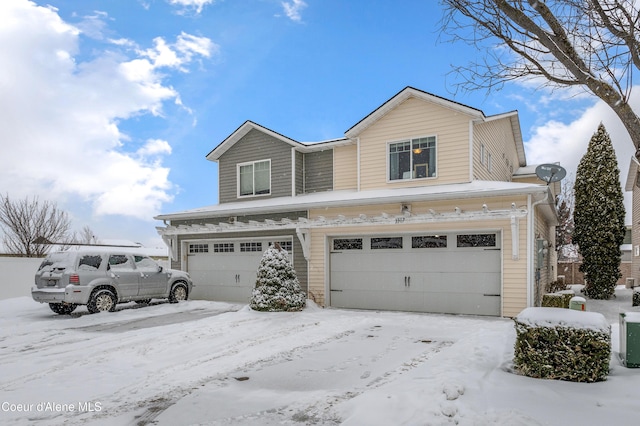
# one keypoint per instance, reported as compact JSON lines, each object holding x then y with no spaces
{"x":562,"y":344}
{"x":559,"y":299}
{"x":553,"y":300}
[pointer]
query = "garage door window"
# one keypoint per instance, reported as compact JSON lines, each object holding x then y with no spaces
{"x":429,"y":241}
{"x":198,"y":248}
{"x":386,"y":243}
{"x":223,"y":248}
{"x":251,"y":247}
{"x":347,"y":244}
{"x":477,"y":240}
{"x":285,"y":245}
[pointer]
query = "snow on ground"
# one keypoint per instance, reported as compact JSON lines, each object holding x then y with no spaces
{"x":211,"y":363}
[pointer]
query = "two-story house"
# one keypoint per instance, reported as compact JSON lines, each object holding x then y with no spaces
{"x":424,"y":205}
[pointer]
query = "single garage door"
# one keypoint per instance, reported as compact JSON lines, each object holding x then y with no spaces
{"x":449,"y":273}
{"x":225,"y":269}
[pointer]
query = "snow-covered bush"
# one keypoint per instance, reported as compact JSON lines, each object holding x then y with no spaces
{"x":277,"y":287}
{"x":562,"y":344}
{"x":559,"y":299}
{"x":636,"y":299}
{"x":552,"y":300}
{"x":556,"y":286}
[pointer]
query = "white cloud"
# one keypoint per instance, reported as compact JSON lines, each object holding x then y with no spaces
{"x":60,"y":134}
{"x":293,"y":8}
{"x":197,"y":5}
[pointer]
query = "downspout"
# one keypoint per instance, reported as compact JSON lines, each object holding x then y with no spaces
{"x":471,"y":150}
{"x":530,"y":251}
{"x":358,"y":161}
{"x":293,"y":172}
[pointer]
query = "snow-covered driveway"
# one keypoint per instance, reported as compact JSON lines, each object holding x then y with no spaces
{"x":201,"y":362}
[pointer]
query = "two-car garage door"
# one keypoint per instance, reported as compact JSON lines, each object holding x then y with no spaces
{"x":450,"y":273}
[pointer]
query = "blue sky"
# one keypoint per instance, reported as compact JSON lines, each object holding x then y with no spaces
{"x":110,"y":106}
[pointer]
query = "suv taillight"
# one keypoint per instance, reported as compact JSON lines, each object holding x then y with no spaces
{"x":74,"y":279}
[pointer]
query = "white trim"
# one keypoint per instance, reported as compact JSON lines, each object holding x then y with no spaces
{"x":410,"y":140}
{"x":349,"y":198}
{"x":358,"y":162}
{"x":342,"y":221}
{"x":471,"y":153}
{"x":253,"y":163}
{"x":515,"y":238}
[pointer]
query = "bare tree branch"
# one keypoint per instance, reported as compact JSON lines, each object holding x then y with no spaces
{"x":591,"y":44}
{"x":31,"y":226}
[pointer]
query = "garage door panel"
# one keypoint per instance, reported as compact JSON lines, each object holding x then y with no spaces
{"x":460,"y":282}
{"x":365,"y":280}
{"x":383,"y":300}
{"x":226,"y":276}
{"x":464,"y":280}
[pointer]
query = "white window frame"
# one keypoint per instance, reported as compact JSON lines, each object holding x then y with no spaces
{"x":252,"y":163}
{"x":411,"y":140}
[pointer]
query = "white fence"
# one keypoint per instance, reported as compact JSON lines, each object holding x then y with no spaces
{"x":17,"y":276}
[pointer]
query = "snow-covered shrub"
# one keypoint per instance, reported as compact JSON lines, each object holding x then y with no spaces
{"x":277,"y":287}
{"x":636,"y":299}
{"x":556,"y":286}
{"x":552,"y":300}
{"x":559,"y":299}
{"x":562,"y":344}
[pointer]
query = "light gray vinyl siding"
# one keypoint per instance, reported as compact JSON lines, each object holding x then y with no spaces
{"x":255,"y":146}
{"x":299,"y":173}
{"x":318,"y":171}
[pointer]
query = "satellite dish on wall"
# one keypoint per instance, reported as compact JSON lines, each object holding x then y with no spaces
{"x":550,"y":172}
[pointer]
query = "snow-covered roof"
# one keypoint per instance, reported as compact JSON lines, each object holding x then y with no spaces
{"x":345,"y":198}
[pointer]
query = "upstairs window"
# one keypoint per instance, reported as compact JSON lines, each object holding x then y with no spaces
{"x":254,"y":178}
{"x":412,"y":159}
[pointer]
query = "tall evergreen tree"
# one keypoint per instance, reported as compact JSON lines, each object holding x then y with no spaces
{"x":599,"y":216}
{"x":277,"y":287}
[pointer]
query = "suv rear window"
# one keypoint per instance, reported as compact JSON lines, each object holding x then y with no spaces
{"x":90,"y":262}
{"x":57,"y":261}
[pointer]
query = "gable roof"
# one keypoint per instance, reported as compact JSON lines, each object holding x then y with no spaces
{"x":400,"y":97}
{"x":249,"y":125}
{"x":632,"y":176}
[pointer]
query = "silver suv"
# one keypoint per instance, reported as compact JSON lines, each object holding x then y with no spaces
{"x":101,"y":279}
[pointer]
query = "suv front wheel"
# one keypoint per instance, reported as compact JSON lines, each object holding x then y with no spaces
{"x":102,"y":300}
{"x":178,"y":293}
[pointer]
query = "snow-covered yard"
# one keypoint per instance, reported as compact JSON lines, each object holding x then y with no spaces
{"x":211,"y":363}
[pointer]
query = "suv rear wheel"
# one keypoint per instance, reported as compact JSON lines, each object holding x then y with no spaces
{"x":62,"y":308}
{"x":102,"y":300}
